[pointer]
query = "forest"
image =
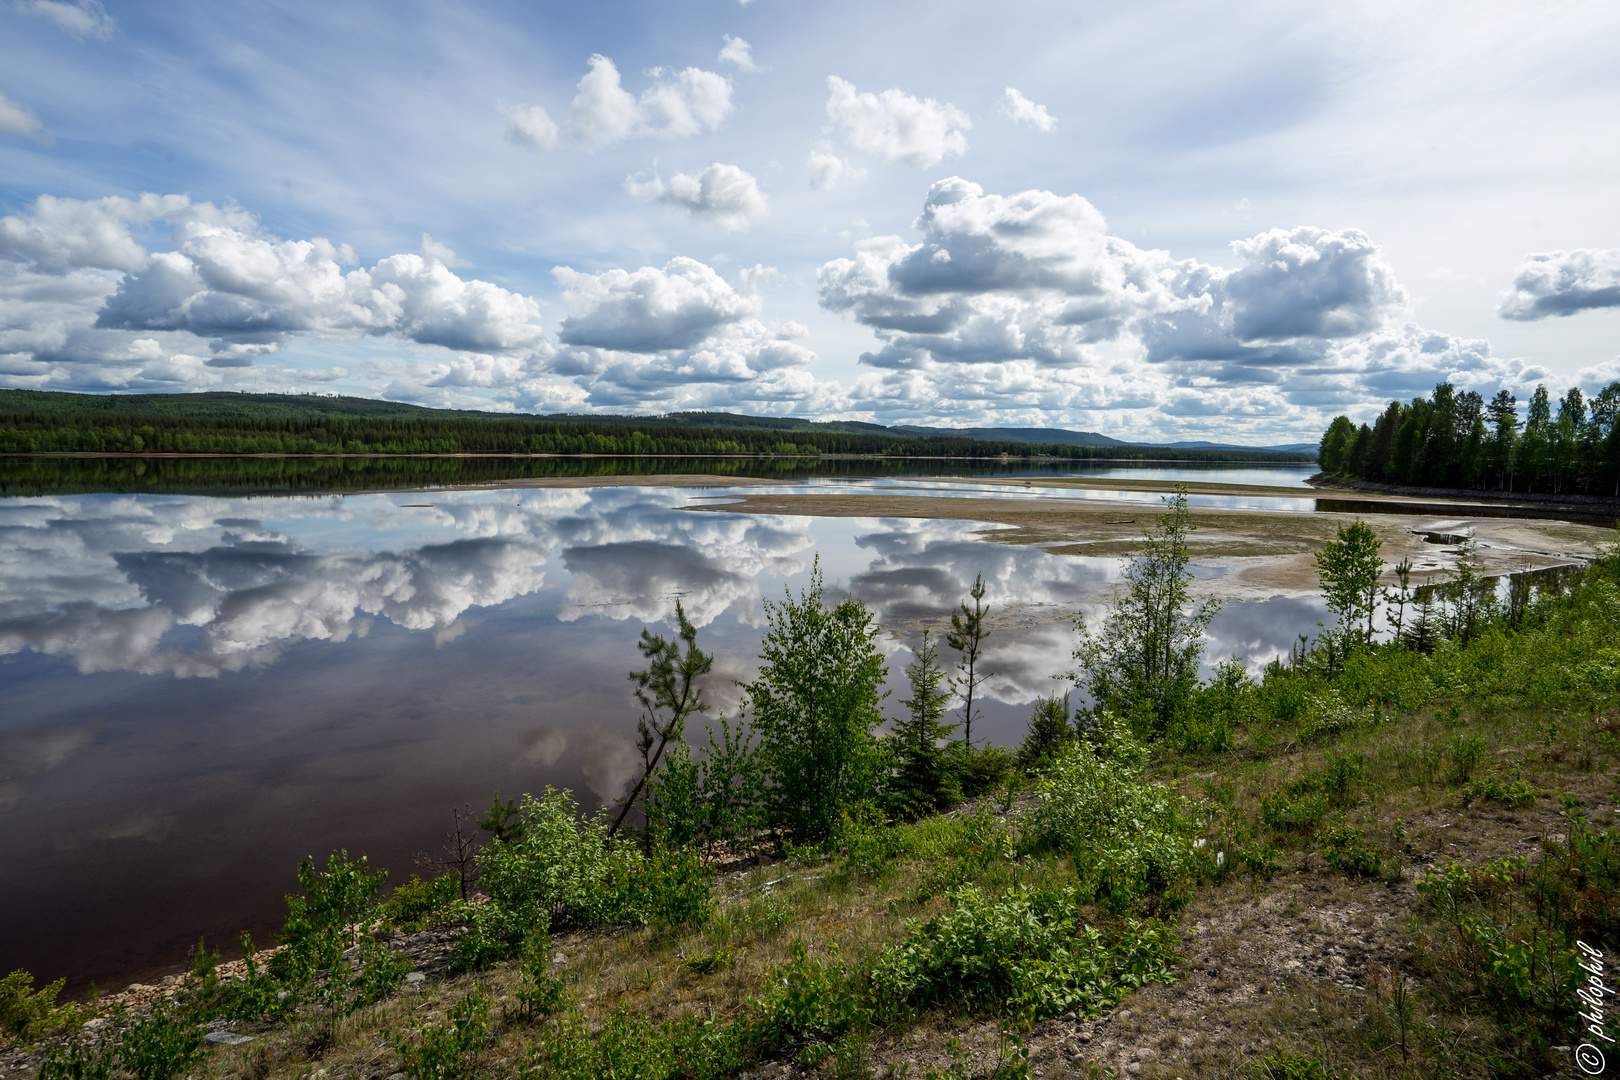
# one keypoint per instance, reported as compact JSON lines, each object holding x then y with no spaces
{"x":36,"y":422}
{"x":1460,"y":441}
{"x":814,"y":888}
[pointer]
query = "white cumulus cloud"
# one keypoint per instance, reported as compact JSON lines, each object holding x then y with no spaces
{"x":734,"y":50}
{"x":83,"y":303}
{"x":897,"y":126}
{"x":828,"y":170}
{"x":1026,"y":303}
{"x":678,"y":104}
{"x":679,"y":336}
{"x":1020,"y":110}
{"x":531,"y":125}
{"x":724,"y":195}
{"x":1562,"y":283}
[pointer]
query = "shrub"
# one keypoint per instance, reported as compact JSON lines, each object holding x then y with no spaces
{"x":26,"y":1013}
{"x":1499,"y":786}
{"x":1049,"y":731}
{"x":1345,"y":852}
{"x":160,"y":1045}
{"x":1207,"y":725}
{"x":449,"y":1051}
{"x":1026,"y":947}
{"x":76,"y":1061}
{"x":670,"y":888}
{"x":539,"y":994}
{"x":418,"y":903}
{"x":810,"y":1001}
{"x":981,"y":769}
{"x":1130,"y":840}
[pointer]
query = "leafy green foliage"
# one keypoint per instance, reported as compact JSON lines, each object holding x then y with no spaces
{"x":1142,"y":662}
{"x":451,"y":1050}
{"x":1499,"y":786}
{"x":814,"y":707}
{"x":540,"y":994}
{"x":159,"y":1046}
{"x":77,"y":1061}
{"x":1025,"y":948}
{"x":419,"y":903}
{"x":1345,"y":852}
{"x":559,"y":872}
{"x":668,"y":693}
{"x":1130,"y":840}
{"x":26,"y":1013}
{"x":1348,"y":569}
{"x":671,"y":888}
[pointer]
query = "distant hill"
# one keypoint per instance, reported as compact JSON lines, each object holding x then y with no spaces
{"x":222,"y":411}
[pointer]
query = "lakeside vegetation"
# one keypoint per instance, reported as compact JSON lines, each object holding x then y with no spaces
{"x":926,"y":906}
{"x":1458,"y":440}
{"x":34,"y":422}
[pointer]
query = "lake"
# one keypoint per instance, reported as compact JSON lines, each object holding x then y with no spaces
{"x":203,"y":688}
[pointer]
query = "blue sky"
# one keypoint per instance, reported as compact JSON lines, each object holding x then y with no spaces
{"x":1170,"y":220}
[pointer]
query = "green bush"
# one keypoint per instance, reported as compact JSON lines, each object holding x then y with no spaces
{"x":448,"y":1051}
{"x":419,"y":903}
{"x":76,"y":1061}
{"x":982,"y":769}
{"x":1465,"y":754}
{"x":671,"y":888}
{"x":808,"y":1001}
{"x":1509,"y":789}
{"x":561,"y":871}
{"x":159,"y":1046}
{"x":1344,"y":852}
{"x":26,"y":1013}
{"x":1026,"y":948}
{"x":1131,"y":841}
{"x":540,"y":994}
{"x":1048,"y":732}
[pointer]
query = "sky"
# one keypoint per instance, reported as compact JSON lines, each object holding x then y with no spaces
{"x":1159,"y":221}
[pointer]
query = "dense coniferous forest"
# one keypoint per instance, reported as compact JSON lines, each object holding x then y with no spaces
{"x":1568,"y":446}
{"x":36,"y":422}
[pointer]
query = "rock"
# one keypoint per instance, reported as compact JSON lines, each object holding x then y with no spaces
{"x":414,"y":977}
{"x":228,"y":1038}
{"x":396,"y":1076}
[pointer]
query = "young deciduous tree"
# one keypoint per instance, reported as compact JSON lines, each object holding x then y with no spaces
{"x":668,"y":694}
{"x":1349,"y":569}
{"x":814,"y":708}
{"x":923,"y":779}
{"x":967,"y":636}
{"x":1143,"y":660}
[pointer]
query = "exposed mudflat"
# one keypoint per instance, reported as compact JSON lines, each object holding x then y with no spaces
{"x":1255,"y":553}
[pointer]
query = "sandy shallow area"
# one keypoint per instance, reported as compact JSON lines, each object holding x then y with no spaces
{"x":1253,"y":554}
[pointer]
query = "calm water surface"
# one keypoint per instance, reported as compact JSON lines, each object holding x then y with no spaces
{"x":199,"y":691}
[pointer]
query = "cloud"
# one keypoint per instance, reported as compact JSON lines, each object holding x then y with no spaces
{"x":679,"y":104}
{"x":85,"y":19}
{"x":737,"y":51}
{"x":531,"y":126}
{"x":1562,"y":283}
{"x":653,"y":335}
{"x":828,"y":170}
{"x":83,"y":304}
{"x":1024,"y":112}
{"x":723,"y":195}
{"x":1026,"y":304}
{"x":18,"y":119}
{"x":433,"y":251}
{"x":896,"y":126}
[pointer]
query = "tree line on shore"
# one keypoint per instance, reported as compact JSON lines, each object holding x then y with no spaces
{"x":1459,"y":440}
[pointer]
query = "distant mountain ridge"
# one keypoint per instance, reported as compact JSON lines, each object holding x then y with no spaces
{"x":230,"y":405}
